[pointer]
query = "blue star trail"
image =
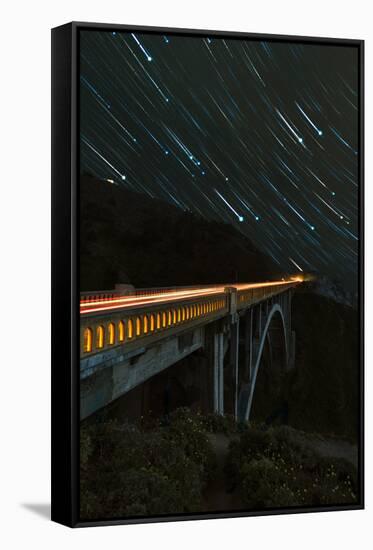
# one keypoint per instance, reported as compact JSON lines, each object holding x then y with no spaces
{"x":260,"y":135}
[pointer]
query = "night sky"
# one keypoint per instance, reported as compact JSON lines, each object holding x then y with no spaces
{"x":262,"y":135}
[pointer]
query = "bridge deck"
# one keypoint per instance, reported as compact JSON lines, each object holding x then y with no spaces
{"x":109,"y":319}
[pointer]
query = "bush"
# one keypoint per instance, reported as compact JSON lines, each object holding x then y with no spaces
{"x":217,"y":423}
{"x":188,"y":432}
{"x":149,"y":469}
{"x":265,"y":483}
{"x":129,"y":471}
{"x":275,"y":468}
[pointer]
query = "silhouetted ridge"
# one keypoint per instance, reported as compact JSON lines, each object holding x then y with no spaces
{"x":129,"y":237}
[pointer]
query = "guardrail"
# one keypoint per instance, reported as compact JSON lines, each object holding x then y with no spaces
{"x":100,"y":295}
{"x":125,"y":326}
{"x":252,"y":295}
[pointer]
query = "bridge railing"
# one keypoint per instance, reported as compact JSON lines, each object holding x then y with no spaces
{"x":124,"y":327}
{"x":102,"y":295}
{"x":252,"y":295}
{"x":165,"y":290}
{"x":98,"y":295}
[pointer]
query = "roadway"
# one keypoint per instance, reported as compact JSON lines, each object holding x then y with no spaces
{"x":174,"y":295}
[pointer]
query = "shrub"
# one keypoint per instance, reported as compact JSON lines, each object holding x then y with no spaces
{"x":188,"y":432}
{"x":128,"y":471}
{"x":276,"y":468}
{"x":217,"y":423}
{"x":265,"y":484}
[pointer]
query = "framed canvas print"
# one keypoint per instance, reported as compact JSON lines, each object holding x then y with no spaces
{"x":207,"y":277}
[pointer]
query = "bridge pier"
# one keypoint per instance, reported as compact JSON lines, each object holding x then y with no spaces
{"x":248,"y":348}
{"x":219,"y":373}
{"x":234,"y":354}
{"x":259,"y":309}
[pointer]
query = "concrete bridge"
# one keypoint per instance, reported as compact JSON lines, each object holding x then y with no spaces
{"x":127,"y":336}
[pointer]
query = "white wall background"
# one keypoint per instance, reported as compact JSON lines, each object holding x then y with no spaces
{"x":25,"y":271}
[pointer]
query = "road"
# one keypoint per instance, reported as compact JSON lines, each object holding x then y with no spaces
{"x":130,"y":302}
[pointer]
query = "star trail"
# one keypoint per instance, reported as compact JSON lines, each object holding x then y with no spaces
{"x":261,"y":135}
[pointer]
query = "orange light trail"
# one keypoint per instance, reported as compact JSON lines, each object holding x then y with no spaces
{"x":126,"y":302}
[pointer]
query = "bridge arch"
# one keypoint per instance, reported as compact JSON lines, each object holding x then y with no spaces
{"x":275,"y":313}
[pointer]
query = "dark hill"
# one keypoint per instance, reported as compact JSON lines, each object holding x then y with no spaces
{"x":127,"y":237}
{"x":325,"y":388}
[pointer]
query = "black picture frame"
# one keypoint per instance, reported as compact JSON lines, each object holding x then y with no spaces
{"x":65,"y":270}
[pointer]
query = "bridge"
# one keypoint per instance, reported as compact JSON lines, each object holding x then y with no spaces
{"x":127,"y":336}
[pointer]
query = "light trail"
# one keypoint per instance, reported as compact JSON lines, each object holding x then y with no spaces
{"x":309,"y":120}
{"x":123,"y":177}
{"x":295,"y":263}
{"x":148,"y":57}
{"x":299,"y":138}
{"x":240,"y":218}
{"x":127,"y":302}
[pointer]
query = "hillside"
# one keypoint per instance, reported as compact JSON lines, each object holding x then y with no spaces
{"x":127,"y":237}
{"x":325,"y":388}
{"x":321,"y":394}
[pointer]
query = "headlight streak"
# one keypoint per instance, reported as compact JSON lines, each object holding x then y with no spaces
{"x":130,"y":302}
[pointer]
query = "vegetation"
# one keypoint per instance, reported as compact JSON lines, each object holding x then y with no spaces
{"x":128,"y":470}
{"x":324,"y":386}
{"x":153,"y":469}
{"x":275,"y":468}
